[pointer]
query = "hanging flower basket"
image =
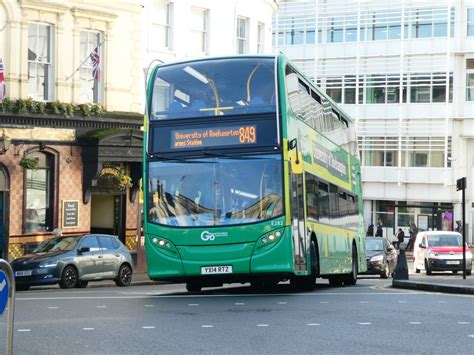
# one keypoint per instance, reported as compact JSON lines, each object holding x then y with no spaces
{"x":124,"y":181}
{"x":29,"y":163}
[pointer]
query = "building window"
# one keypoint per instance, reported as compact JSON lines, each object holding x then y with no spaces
{"x":39,"y":194}
{"x":429,"y":87}
{"x":261,"y":38}
{"x":470,"y":21}
{"x":40,"y":73}
{"x":335,"y":30}
{"x":161,"y":25}
{"x":242,"y":35}
{"x":91,"y":71}
{"x":199,"y":30}
{"x":431,"y":22}
{"x":334,"y":88}
{"x":470,"y":80}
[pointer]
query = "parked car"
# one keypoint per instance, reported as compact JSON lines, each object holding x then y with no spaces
{"x":440,"y":251}
{"x":73,"y":261}
{"x":381,"y":256}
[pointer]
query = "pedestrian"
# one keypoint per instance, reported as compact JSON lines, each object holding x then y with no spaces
{"x":379,"y":232}
{"x":370,"y":230}
{"x":413,"y":232}
{"x":400,"y":238}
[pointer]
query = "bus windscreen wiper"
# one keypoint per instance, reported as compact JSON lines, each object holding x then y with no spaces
{"x":236,"y":157}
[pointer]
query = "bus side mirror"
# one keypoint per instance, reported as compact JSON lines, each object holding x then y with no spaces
{"x":296,"y":164}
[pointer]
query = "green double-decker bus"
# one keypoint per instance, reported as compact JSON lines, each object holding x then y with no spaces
{"x":251,"y":174}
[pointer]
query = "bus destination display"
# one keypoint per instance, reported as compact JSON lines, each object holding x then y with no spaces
{"x":213,"y":137}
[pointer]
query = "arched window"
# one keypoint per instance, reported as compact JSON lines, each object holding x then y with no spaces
{"x":39,"y":194}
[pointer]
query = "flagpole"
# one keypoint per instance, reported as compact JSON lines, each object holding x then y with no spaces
{"x":80,"y":65}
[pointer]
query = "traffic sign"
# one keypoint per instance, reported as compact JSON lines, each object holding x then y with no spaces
{"x":3,"y":291}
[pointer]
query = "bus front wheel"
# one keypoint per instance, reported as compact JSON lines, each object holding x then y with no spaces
{"x":351,"y":279}
{"x":308,"y":282}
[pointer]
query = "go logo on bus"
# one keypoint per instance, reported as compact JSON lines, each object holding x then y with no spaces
{"x":206,"y":235}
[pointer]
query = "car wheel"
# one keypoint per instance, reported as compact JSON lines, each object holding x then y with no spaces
{"x":124,"y":277}
{"x":455,"y":272}
{"x":22,"y":287}
{"x":193,"y":287}
{"x":468,"y":272}
{"x":82,"y":284}
{"x":427,"y":268}
{"x":69,"y":278}
{"x":417,"y":270}
{"x":386,"y":271}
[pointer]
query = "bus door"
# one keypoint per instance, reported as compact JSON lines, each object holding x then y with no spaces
{"x":297,"y":220}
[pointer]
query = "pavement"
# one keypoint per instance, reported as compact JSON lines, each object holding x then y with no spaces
{"x":446,"y":282}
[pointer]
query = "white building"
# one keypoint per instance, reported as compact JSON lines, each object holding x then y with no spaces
{"x":391,"y":65}
{"x":181,"y":29}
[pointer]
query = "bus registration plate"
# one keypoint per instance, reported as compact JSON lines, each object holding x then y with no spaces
{"x":216,"y":270}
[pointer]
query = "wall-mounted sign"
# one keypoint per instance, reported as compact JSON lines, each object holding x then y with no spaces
{"x":70,"y":214}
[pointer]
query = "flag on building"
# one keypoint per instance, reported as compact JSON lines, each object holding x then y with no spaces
{"x":95,"y":58}
{"x":3,"y":86}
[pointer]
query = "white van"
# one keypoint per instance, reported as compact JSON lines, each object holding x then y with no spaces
{"x":440,"y":251}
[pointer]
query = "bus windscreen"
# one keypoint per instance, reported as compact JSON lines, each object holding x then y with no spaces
{"x":214,"y":87}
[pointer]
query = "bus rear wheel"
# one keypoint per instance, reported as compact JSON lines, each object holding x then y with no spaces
{"x":351,"y":279}
{"x":193,"y":287}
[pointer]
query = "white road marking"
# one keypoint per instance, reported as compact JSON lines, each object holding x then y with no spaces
{"x":442,"y":302}
{"x":415,"y":323}
{"x":402,"y":301}
{"x":87,"y":328}
{"x":207,"y":326}
{"x":53,"y":307}
{"x":471,"y":335}
{"x":364,"y":302}
{"x":101,"y":306}
{"x":148,"y":327}
{"x":24,"y":330}
{"x":324,"y":302}
{"x":193,"y":304}
{"x":262,"y":325}
{"x":464,"y":323}
{"x":149,"y":305}
{"x":282,"y":302}
{"x":365,"y":323}
{"x":239,"y":304}
{"x":313,"y":324}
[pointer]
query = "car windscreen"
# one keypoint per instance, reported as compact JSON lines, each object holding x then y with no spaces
{"x":374,"y":244}
{"x":441,"y":240}
{"x":57,"y":244}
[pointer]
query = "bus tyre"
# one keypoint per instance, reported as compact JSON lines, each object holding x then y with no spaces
{"x":308,"y":282}
{"x":335,"y":281}
{"x":427,"y":268}
{"x":351,"y":279}
{"x":193,"y":287}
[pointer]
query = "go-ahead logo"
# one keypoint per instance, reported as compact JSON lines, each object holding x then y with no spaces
{"x":206,"y":235}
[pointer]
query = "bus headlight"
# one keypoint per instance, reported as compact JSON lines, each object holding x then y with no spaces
{"x":268,"y":240}
{"x":164,"y":244}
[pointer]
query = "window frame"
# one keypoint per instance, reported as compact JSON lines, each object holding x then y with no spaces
{"x":157,"y":6}
{"x":48,"y":87}
{"x":204,"y":31}
{"x":53,"y":193}
{"x":97,"y":90}
{"x":470,"y":21}
{"x":244,"y":40}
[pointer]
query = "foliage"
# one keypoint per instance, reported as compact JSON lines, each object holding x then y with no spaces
{"x":29,"y":163}
{"x":124,"y":181}
{"x":66,"y":109}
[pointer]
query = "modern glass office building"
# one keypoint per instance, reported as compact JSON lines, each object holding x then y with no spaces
{"x":405,"y":71}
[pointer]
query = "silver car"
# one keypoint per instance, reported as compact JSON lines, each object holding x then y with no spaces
{"x":73,"y":261}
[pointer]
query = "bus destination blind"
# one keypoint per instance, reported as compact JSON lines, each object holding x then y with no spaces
{"x":213,"y":137}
